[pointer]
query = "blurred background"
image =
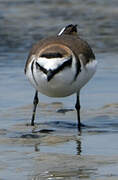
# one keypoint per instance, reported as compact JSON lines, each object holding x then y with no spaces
{"x":24,"y":22}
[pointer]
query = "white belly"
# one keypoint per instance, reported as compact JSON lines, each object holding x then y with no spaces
{"x":62,"y":84}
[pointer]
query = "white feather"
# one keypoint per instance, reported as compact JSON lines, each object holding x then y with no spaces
{"x":52,"y":63}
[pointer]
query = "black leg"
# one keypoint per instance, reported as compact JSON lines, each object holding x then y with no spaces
{"x":77,"y":106}
{"x":35,"y":102}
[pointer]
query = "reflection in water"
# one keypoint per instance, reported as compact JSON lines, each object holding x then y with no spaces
{"x":80,"y":172}
{"x":36,"y":148}
{"x":79,"y":147}
{"x":78,"y":144}
{"x":60,"y":150}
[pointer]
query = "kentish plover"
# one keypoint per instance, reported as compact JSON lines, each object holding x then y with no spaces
{"x":60,"y":65}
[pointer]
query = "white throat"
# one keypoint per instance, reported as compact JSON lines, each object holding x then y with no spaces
{"x":51,"y":64}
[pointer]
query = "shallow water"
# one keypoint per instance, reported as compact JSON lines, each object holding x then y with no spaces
{"x":54,"y":149}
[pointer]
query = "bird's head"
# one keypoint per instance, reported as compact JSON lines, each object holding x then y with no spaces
{"x":70,"y":29}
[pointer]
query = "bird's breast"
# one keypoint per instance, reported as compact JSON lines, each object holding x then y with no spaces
{"x":63,"y":83}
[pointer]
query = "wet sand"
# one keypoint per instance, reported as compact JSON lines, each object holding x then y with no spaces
{"x":53,"y":149}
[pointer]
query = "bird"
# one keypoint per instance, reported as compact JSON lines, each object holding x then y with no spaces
{"x":59,"y":66}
